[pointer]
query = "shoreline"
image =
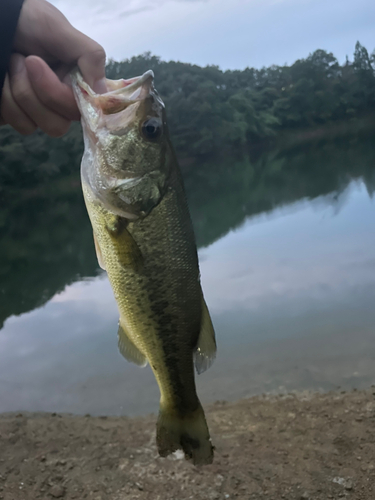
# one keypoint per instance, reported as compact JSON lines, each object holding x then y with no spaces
{"x":295,"y":447}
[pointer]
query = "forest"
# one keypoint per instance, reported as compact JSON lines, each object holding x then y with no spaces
{"x":208,"y":108}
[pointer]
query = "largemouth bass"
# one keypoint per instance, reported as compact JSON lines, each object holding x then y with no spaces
{"x":144,"y":240}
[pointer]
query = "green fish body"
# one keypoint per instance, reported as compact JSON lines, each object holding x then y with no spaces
{"x":145,"y":241}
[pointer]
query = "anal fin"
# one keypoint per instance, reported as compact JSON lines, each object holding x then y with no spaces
{"x":128,"y":349}
{"x":205,"y":351}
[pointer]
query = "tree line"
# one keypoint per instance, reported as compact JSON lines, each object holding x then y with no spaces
{"x":209,"y":109}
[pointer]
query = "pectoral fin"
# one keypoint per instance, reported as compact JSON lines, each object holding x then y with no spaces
{"x":128,"y":251}
{"x":205,"y":351}
{"x":99,"y":253}
{"x":128,"y":349}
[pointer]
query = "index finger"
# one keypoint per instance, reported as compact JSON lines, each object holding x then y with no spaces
{"x":53,"y":93}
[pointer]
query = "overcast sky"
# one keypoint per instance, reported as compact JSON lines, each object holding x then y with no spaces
{"x":230,"y":33}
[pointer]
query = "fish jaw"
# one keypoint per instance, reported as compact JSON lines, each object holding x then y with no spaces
{"x":125,"y":171}
{"x":95,"y":107}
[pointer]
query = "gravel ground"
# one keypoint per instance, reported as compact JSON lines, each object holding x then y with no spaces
{"x":295,"y":447}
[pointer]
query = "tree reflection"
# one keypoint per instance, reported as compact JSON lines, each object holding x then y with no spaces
{"x":46,"y":236}
{"x":224,"y":192}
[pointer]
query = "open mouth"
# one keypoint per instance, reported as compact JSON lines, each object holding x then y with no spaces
{"x":121,"y":92}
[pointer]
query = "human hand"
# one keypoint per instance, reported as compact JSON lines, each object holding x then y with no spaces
{"x":37,"y":91}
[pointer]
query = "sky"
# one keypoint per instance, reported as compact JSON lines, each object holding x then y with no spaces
{"x":231,"y":34}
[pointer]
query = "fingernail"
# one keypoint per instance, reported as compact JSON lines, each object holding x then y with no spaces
{"x":100,"y":86}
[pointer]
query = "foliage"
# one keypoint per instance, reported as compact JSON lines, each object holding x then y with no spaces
{"x":209,"y":109}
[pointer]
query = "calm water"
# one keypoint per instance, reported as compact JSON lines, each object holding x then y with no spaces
{"x":287,"y":253}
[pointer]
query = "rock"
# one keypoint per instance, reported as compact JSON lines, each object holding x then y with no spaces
{"x":348,"y":485}
{"x":57,"y":491}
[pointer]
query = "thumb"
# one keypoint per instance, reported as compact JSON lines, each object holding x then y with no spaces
{"x":47,"y":32}
{"x":73,"y":47}
{"x":92,"y":66}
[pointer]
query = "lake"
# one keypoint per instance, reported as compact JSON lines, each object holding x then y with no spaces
{"x":287,"y":253}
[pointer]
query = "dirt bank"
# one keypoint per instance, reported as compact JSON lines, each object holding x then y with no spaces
{"x":297,"y":447}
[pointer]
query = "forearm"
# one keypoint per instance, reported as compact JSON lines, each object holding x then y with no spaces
{"x":9,"y":14}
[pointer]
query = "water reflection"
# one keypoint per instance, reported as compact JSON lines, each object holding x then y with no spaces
{"x":46,"y":243}
{"x":222,"y":193}
{"x":288,"y":268}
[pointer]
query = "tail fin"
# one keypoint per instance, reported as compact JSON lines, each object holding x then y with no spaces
{"x":188,"y":433}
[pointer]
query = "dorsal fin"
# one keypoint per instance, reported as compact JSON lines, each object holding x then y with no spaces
{"x":128,"y":349}
{"x":205,"y":351}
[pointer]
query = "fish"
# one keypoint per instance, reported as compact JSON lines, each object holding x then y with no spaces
{"x":144,"y":240}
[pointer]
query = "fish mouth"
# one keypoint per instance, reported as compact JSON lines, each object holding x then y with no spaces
{"x":122,"y":93}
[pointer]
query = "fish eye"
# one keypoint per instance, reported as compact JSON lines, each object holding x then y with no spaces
{"x":152,"y":128}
